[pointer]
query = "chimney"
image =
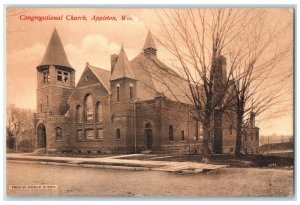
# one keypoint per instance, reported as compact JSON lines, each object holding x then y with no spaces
{"x":113,"y":61}
{"x":252,"y":119}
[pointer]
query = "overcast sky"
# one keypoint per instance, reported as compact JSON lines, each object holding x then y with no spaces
{"x":93,"y":42}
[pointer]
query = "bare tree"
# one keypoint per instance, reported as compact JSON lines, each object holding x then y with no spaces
{"x":258,"y":86}
{"x":19,"y":125}
{"x":198,"y":39}
{"x":203,"y":42}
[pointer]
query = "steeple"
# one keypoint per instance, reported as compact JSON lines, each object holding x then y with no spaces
{"x":55,"y":53}
{"x":149,"y":47}
{"x":122,"y":69}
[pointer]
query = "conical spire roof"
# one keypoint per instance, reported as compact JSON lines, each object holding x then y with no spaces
{"x":122,"y":68}
{"x":149,"y":43}
{"x":55,"y":53}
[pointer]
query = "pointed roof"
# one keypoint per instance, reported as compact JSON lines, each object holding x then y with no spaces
{"x":149,"y":43}
{"x":122,"y":68}
{"x":55,"y":53}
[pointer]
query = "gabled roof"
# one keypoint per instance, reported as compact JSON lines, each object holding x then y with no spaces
{"x":102,"y":75}
{"x":55,"y":53}
{"x":122,"y":68}
{"x":149,"y":43}
{"x":154,"y":77}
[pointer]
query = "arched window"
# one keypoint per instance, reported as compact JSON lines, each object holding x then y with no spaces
{"x":89,"y":113}
{"x":58,"y":132}
{"x":118,"y":134}
{"x":78,"y":114}
{"x":182,"y":135}
{"x":118,"y":93}
{"x":99,"y":112}
{"x":131,"y":91}
{"x":171,"y":133}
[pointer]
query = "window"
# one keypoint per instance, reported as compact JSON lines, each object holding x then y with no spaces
{"x":230,"y":129}
{"x":171,"y":133}
{"x":79,"y":134}
{"x":99,"y":111}
{"x":182,"y":135}
{"x":58,"y":132}
{"x":86,"y":78}
{"x":62,"y":76}
{"x":47,"y":100}
{"x":246,"y":136}
{"x":100,"y":134}
{"x":46,"y":76}
{"x":89,"y":134}
{"x":131,"y":91}
{"x":118,"y":93}
{"x":118,"y":134}
{"x":89,"y":115}
{"x":257,"y":134}
{"x":66,"y":77}
{"x":78,"y":114}
{"x":59,"y":75}
{"x":41,"y":106}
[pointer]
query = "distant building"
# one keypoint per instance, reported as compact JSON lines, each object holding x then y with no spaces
{"x":128,"y":109}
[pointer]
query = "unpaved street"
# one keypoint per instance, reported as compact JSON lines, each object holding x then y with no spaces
{"x":77,"y":181}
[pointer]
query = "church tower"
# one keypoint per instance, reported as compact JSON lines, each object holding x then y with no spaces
{"x":123,"y":96}
{"x":55,"y":84}
{"x":55,"y":79}
{"x":149,"y":47}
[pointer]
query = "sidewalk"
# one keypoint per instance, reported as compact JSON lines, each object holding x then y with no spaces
{"x":115,"y":162}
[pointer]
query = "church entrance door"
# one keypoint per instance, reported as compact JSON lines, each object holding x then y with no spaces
{"x":41,"y":135}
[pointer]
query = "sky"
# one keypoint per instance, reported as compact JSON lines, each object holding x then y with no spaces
{"x":93,"y":42}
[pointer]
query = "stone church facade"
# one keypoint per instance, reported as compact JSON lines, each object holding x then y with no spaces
{"x":126,"y":110}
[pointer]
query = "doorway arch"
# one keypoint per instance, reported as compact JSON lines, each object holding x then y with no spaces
{"x":148,"y":134}
{"x":41,"y":135}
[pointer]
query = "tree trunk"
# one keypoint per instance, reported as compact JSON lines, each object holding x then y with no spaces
{"x":239,"y":124}
{"x":206,"y":138}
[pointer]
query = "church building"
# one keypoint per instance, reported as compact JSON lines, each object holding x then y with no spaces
{"x":128,"y":109}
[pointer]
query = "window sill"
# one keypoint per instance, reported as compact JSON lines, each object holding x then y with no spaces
{"x":88,"y":140}
{"x":58,"y":140}
{"x":118,"y":139}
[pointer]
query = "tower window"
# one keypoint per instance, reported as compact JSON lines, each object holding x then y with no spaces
{"x":171,"y":138}
{"x":118,"y":93}
{"x":66,"y":77}
{"x":59,"y":76}
{"x":131,"y":92}
{"x":58,"y":132}
{"x":47,"y":100}
{"x":99,"y":111}
{"x":182,"y":135}
{"x":62,"y":76}
{"x":118,"y":134}
{"x":89,"y":115}
{"x":46,"y":76}
{"x":230,"y":129}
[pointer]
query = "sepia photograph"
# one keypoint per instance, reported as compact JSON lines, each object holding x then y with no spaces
{"x":149,"y":102}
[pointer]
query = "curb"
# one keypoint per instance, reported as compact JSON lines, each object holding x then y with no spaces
{"x":82,"y":165}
